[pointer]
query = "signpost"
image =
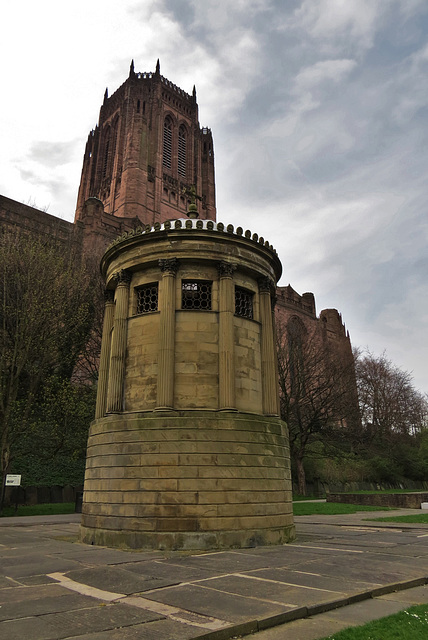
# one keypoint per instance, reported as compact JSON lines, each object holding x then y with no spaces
{"x":13,"y":480}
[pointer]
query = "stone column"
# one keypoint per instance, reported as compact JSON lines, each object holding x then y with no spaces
{"x":165,"y":390}
{"x":118,"y":343}
{"x":105,"y":354}
{"x":269,"y":379}
{"x":225,"y":338}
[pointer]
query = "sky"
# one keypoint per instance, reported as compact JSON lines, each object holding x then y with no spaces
{"x":319,"y":113}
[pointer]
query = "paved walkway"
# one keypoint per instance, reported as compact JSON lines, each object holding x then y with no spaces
{"x":342,"y":570}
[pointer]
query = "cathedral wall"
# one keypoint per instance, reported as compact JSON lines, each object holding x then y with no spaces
{"x":25,"y":219}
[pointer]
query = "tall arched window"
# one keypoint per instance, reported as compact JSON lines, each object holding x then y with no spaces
{"x":167,"y":143}
{"x":107,"y":136}
{"x":182,"y":141}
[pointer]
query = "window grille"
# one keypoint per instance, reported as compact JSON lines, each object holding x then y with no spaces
{"x":147,"y":298}
{"x":196,"y":294}
{"x":167,"y":143}
{"x":182,"y":151}
{"x":243,"y":303}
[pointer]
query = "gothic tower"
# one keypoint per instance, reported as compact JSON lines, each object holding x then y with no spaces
{"x":148,"y":158}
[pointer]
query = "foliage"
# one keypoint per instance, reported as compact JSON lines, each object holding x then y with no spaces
{"x":46,"y":315}
{"x":405,"y":625}
{"x":331,"y":508}
{"x":49,"y":445}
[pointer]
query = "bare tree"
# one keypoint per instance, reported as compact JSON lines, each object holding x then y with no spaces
{"x":317,"y":391}
{"x":389,"y":403}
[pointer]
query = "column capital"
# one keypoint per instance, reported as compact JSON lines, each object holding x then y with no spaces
{"x":108,"y":296}
{"x":266,"y":285}
{"x":225,"y":269}
{"x":122,"y":277}
{"x":169,"y":266}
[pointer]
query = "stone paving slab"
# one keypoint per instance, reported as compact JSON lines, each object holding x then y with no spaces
{"x":218,"y":604}
{"x":114,"y":594}
{"x":120,"y":580}
{"x":157,"y":630}
{"x":58,"y":626}
{"x":314,"y":581}
{"x":45,"y":605}
{"x":180,"y":573}
{"x":18,"y":593}
{"x":263,"y":590}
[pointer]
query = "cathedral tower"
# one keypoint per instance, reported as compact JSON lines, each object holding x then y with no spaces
{"x":148,"y":158}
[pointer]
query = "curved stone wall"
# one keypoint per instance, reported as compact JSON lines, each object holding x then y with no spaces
{"x":187,"y":450}
{"x":194,"y":481}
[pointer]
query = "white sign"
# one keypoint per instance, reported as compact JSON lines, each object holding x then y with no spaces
{"x":13,"y":480}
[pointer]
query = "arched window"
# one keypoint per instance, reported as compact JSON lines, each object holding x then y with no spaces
{"x":106,"y":150}
{"x":167,"y":143}
{"x":182,"y":142}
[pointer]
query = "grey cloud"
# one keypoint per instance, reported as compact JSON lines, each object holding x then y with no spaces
{"x":52,"y":154}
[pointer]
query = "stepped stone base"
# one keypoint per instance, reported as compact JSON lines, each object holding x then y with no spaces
{"x":187,"y":480}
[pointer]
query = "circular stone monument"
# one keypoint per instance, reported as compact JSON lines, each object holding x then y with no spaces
{"x":187,"y":450}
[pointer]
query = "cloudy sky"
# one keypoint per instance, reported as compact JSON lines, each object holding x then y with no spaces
{"x":319,"y":111}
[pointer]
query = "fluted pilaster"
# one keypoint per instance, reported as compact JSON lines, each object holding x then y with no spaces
{"x":165,"y":387}
{"x":103,"y":372}
{"x":226,"y":312}
{"x":118,"y":343}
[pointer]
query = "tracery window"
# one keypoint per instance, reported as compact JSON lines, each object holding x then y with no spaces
{"x":182,"y":145}
{"x":167,"y":143}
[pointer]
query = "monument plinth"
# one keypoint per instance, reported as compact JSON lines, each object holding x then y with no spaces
{"x":187,"y":450}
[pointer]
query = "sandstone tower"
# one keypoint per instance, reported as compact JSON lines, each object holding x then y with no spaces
{"x":148,"y":157}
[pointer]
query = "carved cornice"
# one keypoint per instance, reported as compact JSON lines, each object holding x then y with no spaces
{"x":169,"y":266}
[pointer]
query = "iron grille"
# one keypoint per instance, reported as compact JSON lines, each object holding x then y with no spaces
{"x":196,"y":294}
{"x":243,"y":303}
{"x":147,"y":298}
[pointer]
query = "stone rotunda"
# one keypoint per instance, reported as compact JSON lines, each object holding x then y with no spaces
{"x":187,"y":450}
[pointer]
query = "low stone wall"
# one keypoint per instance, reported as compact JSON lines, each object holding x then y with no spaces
{"x":397,"y":500}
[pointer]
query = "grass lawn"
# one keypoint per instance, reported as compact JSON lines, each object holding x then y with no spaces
{"x":411,"y":624}
{"x":40,"y":509}
{"x":418,"y":518}
{"x":331,"y":508}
